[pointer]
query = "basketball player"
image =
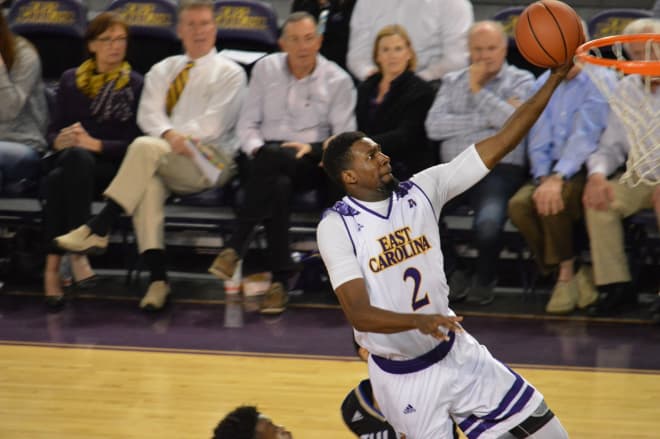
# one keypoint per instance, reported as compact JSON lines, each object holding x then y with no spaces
{"x":246,"y":422}
{"x":381,"y":247}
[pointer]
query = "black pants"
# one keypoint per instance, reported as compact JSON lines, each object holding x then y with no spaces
{"x":76,"y":178}
{"x":271,"y":178}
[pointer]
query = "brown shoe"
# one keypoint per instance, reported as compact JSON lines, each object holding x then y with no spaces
{"x":156,"y":296}
{"x":275,"y":300}
{"x":224,"y":265}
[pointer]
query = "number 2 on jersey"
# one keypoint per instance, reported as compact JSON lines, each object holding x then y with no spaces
{"x":417,"y":278}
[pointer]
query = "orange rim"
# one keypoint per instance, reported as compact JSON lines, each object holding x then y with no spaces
{"x":648,"y":68}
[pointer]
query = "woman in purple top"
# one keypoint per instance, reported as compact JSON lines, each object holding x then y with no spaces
{"x":93,"y":122}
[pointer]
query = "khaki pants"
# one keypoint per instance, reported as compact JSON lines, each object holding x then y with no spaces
{"x":550,"y":238}
{"x":606,"y":235}
{"x":149,"y":173}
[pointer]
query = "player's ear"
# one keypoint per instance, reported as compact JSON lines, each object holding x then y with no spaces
{"x":348,"y":176}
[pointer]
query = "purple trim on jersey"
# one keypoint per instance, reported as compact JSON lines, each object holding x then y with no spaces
{"x":416,"y":364}
{"x":342,"y":209}
{"x":427,"y":198}
{"x":499,"y":414}
{"x":526,"y":396}
{"x":348,"y":231}
{"x":373,"y":212}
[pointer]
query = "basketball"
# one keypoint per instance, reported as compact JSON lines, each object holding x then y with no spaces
{"x":548,"y":32}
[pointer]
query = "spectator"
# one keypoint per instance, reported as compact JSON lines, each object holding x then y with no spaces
{"x":334,"y":17}
{"x":438,"y":30}
{"x":296,"y":100}
{"x":171,"y":111}
{"x":23,"y":113}
{"x":392,"y":103}
{"x":546,"y":210}
{"x":245,"y":422}
{"x":472,"y":104}
{"x":606,"y":199}
{"x":93,"y":123}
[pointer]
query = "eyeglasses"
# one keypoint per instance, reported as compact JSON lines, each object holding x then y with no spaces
{"x":106,"y":41}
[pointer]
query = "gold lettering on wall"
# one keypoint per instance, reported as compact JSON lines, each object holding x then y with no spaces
{"x":44,"y":12}
{"x":145,"y":14}
{"x":234,"y":17}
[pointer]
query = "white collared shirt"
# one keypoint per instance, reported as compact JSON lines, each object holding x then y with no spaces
{"x":280,"y":107}
{"x":208,"y":107}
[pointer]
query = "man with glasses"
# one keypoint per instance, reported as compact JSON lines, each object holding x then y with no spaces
{"x":196,"y":96}
{"x":296,"y":100}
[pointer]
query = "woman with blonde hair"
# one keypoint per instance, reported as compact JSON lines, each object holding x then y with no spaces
{"x":94,"y":121}
{"x":392,"y":103}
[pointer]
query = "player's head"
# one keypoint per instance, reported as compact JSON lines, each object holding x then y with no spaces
{"x":356,"y":163}
{"x":245,"y":422}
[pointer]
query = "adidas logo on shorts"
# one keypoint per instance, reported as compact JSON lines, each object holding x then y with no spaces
{"x":409,"y":409}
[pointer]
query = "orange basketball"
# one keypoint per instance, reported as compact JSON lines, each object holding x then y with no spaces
{"x":548,"y":32}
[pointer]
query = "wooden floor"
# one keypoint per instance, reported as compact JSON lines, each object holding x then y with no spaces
{"x":76,"y":393}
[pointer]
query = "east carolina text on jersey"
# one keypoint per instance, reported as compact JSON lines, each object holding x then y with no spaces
{"x":398,"y":247}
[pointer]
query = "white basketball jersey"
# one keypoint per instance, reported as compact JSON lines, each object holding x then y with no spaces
{"x":400,"y":258}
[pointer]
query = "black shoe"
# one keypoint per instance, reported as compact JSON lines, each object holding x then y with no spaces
{"x":459,"y":283}
{"x":54,"y":303}
{"x":86,"y":284}
{"x":612,"y":300}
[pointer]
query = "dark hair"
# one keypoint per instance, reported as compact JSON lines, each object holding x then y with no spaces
{"x":337,"y":155}
{"x":100,"y":24}
{"x":7,"y":43}
{"x":239,"y":424}
{"x":296,"y":17}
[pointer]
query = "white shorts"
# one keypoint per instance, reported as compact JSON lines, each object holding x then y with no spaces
{"x":482,"y":395}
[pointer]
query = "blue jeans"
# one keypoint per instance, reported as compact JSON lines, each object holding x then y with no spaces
{"x":489,"y":199}
{"x":18,"y":163}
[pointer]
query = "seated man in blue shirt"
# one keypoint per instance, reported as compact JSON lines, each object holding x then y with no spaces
{"x":546,"y":210}
{"x":472,"y":104}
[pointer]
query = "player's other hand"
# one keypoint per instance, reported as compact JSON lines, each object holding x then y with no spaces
{"x":431,"y":323}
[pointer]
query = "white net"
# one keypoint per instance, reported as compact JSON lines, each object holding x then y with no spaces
{"x":635,"y":99}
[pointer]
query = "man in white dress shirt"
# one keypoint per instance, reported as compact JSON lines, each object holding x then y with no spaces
{"x":296,"y":100}
{"x":195,"y":96}
{"x":438,"y":30}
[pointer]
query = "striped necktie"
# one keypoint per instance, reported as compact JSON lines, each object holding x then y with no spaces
{"x":177,"y":86}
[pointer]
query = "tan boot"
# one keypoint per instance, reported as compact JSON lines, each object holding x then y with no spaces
{"x":564,"y":297}
{"x":587,"y":292}
{"x":82,"y":240}
{"x":156,"y":296}
{"x":275,"y":300}
{"x":225,"y":264}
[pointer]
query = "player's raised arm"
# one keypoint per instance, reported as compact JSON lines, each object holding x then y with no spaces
{"x":493,"y":148}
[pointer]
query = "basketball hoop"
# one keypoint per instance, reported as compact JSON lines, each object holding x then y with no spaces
{"x":632,"y":99}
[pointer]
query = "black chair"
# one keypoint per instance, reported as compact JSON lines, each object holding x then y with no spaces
{"x":612,"y":22}
{"x":152,"y":31}
{"x":508,"y":17}
{"x":56,"y":29}
{"x":247,"y":26}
